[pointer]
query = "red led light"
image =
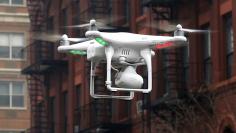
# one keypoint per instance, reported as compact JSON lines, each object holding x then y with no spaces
{"x":164,"y":45}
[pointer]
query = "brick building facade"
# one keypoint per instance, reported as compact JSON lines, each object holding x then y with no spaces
{"x":193,"y":89}
{"x":14,"y":100}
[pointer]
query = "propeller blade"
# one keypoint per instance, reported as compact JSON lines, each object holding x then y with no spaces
{"x":78,"y":26}
{"x":195,"y":31}
{"x":102,"y":23}
{"x":46,"y":37}
{"x":78,"y":39}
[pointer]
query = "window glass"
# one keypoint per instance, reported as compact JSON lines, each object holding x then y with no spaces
{"x":17,"y":2}
{"x":4,"y":88}
{"x":17,"y":101}
{"x":17,"y":88}
{"x":18,"y":52}
{"x":4,"y":1}
{"x":17,"y":39}
{"x":4,"y":100}
{"x":11,"y":94}
{"x":11,"y":45}
{"x":4,"y":52}
{"x":230,"y":45}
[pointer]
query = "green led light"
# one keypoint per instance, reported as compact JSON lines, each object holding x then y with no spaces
{"x":101,"y":41}
{"x":77,"y":52}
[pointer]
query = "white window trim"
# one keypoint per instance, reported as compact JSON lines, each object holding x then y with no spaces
{"x":24,"y":100}
{"x":10,"y":47}
{"x":16,"y":5}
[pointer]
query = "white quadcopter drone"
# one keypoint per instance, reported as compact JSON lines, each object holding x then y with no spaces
{"x":122,"y":52}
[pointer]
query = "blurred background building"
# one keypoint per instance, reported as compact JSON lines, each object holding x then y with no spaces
{"x":193,"y":88}
{"x":14,"y":100}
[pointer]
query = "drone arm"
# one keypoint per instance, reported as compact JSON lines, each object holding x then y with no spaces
{"x":77,"y":46}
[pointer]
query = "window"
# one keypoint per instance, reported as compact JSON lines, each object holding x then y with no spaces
{"x":12,"y":94}
{"x":11,"y":45}
{"x":166,"y":64}
{"x":12,"y":2}
{"x":11,"y":131}
{"x":186,"y":64}
{"x":52,"y":114}
{"x":65,"y":111}
{"x":228,"y":130}
{"x":64,"y":20}
{"x":207,"y":65}
{"x":229,"y":45}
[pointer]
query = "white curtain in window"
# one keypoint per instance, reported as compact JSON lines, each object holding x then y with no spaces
{"x":17,"y":39}
{"x":4,"y":40}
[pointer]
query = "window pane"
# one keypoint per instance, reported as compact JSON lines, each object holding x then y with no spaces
{"x":4,"y":88}
{"x":4,"y":1}
{"x":17,"y":39}
{"x":17,"y":101}
{"x":4,"y":40}
{"x":4,"y":52}
{"x":18,"y":52}
{"x":4,"y":101}
{"x":18,"y":2}
{"x":17,"y":88}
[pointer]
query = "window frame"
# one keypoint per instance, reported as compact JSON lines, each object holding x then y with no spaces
{"x":10,"y":46}
{"x":10,"y":84}
{"x":229,"y":40}
{"x":16,"y":5}
{"x":207,"y":55}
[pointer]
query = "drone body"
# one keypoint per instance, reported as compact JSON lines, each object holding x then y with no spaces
{"x":125,"y":52}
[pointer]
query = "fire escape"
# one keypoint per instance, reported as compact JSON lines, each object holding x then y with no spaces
{"x":40,"y":61}
{"x":177,"y":108}
{"x":97,"y":115}
{"x":165,"y":11}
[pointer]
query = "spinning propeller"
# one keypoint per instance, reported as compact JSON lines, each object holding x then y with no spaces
{"x":168,"y":27}
{"x":56,"y":37}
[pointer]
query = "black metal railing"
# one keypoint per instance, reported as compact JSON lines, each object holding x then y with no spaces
{"x":38,"y":54}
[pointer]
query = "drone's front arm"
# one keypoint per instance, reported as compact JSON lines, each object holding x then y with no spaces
{"x":78,"y":46}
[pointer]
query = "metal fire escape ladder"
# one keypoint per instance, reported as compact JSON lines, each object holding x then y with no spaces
{"x":38,"y":105}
